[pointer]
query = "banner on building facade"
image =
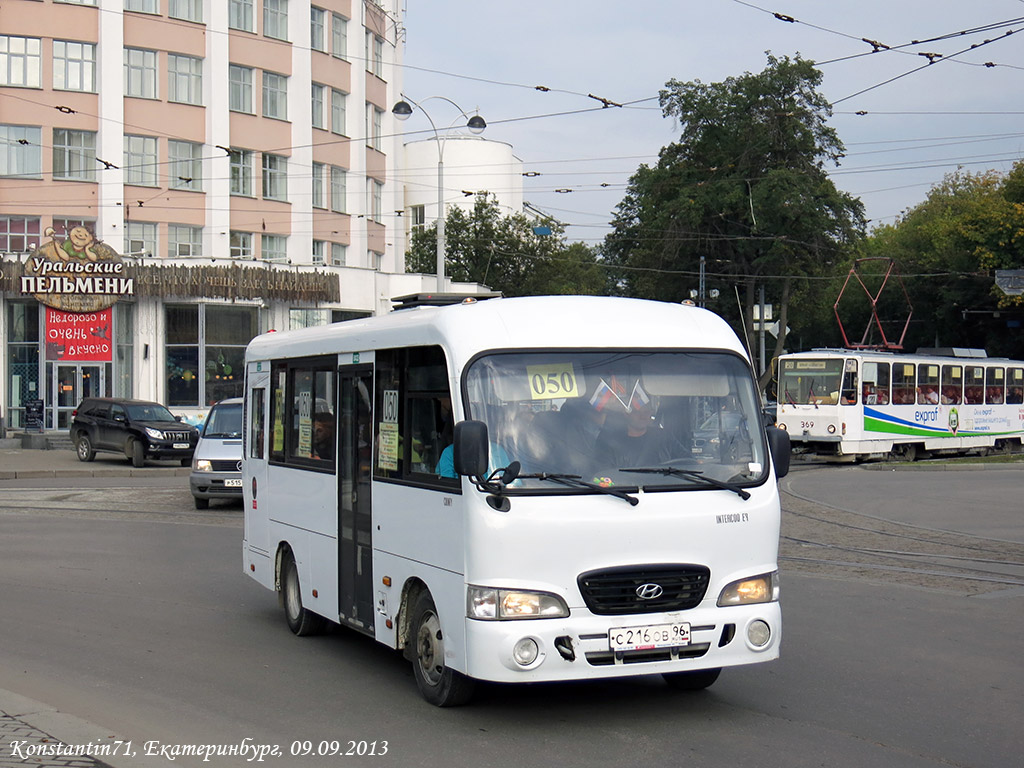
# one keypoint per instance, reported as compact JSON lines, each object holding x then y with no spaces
{"x":74,"y":336}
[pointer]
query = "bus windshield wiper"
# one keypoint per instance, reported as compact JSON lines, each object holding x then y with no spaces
{"x":574,"y":481}
{"x":692,"y":474}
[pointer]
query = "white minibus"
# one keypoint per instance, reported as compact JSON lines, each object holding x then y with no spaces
{"x":519,"y":489}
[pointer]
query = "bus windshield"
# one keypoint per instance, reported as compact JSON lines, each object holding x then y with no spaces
{"x":810,"y":382}
{"x":596,"y":415}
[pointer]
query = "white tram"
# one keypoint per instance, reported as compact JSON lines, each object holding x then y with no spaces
{"x":862,"y":404}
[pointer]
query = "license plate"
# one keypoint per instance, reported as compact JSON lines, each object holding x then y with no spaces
{"x":233,"y":483}
{"x":180,"y":445}
{"x":649,"y":636}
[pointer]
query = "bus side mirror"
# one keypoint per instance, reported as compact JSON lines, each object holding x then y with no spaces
{"x":471,"y":448}
{"x":778,"y":442}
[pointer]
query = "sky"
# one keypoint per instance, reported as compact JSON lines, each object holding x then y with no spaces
{"x":489,"y":56}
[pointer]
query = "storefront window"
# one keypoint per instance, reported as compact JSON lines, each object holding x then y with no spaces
{"x":124,"y":326}
{"x":22,"y":360}
{"x":205,"y":352}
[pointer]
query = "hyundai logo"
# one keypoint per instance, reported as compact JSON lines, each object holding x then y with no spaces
{"x":649,"y":591}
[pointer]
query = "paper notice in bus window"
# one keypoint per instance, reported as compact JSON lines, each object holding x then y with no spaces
{"x":387,"y":446}
{"x":548,"y":382}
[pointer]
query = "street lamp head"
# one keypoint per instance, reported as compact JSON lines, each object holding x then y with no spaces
{"x":402,"y":110}
{"x":476,"y":124}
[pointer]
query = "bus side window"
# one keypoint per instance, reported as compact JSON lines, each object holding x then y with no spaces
{"x":974,"y":385}
{"x":903,"y":390}
{"x":256,"y":438}
{"x":848,"y":391}
{"x":952,"y":384}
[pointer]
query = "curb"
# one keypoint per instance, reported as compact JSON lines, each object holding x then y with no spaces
{"x":52,"y":725}
{"x":28,"y":474}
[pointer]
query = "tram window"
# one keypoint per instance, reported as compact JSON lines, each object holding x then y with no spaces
{"x":1015,"y":386}
{"x":927,"y":384}
{"x":974,"y":385}
{"x":994,"y":385}
{"x":952,"y":384}
{"x":903,"y":384}
{"x":876,"y":383}
{"x":848,"y":392}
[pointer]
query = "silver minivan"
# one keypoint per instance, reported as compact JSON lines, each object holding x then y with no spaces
{"x":217,"y":462}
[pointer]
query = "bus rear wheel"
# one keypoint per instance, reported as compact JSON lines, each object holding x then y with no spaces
{"x":697,"y":680}
{"x":301,"y":621}
{"x":439,"y":684}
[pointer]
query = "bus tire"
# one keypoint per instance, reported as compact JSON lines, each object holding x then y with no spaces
{"x":697,"y":680}
{"x":301,"y":621}
{"x":441,"y":685}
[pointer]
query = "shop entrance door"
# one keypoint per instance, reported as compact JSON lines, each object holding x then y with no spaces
{"x":72,"y":382}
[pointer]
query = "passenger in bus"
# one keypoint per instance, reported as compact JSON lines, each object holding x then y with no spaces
{"x":994,"y":395}
{"x":632,"y":439}
{"x":323,"y":436}
{"x":869,"y":394}
{"x":950,"y":395}
{"x":927,"y":395}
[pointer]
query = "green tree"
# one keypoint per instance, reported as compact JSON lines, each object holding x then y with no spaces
{"x":506,"y":254}
{"x":745,"y":186}
{"x":948,"y":247}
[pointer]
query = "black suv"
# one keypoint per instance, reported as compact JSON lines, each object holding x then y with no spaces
{"x":140,"y":430}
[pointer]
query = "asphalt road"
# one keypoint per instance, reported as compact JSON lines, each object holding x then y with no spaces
{"x":125,"y":606}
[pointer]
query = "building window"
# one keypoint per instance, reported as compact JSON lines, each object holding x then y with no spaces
{"x":74,"y":66}
{"x":338,"y":101}
{"x":318,"y":106}
{"x":183,"y":241}
{"x":189,"y":10}
{"x":319,"y":252}
{"x":417,"y":217}
{"x":124,"y":325}
{"x":241,"y":172}
{"x":62,"y":226}
{"x":337,"y":189}
{"x":186,"y":165}
{"x":307,"y":318}
{"x":374,"y":50}
{"x":140,"y":160}
{"x":274,"y":248}
{"x":275,"y":177}
{"x":317,"y":29}
{"x":142,"y":6}
{"x":140,"y":73}
{"x":339,"y":36}
{"x":339,"y":253}
{"x":240,"y":15}
{"x":140,"y":238}
{"x":74,"y":154}
{"x":377,"y":128}
{"x":205,"y":351}
{"x":18,"y":234}
{"x":275,"y":96}
{"x":376,"y":195}
{"x":241,"y":245}
{"x":184,"y":79}
{"x":318,"y":185}
{"x":240,"y":89}
{"x":20,"y":153}
{"x":20,"y":61}
{"x":77,"y":2}
{"x":275,"y":19}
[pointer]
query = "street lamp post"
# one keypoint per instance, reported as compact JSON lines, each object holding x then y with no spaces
{"x":476,"y":125}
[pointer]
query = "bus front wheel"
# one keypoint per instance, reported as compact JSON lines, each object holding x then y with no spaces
{"x":697,"y":680}
{"x":439,"y":684}
{"x":301,"y":621}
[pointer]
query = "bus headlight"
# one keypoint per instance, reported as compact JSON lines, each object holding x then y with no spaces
{"x":497,"y":604}
{"x":756,"y":589}
{"x":204,"y":465}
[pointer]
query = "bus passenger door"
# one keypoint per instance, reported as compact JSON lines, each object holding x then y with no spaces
{"x":255,"y":448}
{"x":355,"y":531}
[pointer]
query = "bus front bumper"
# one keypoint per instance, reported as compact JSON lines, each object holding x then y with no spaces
{"x":578,"y":648}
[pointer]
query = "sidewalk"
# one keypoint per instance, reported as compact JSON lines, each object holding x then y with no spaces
{"x":20,"y":464}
